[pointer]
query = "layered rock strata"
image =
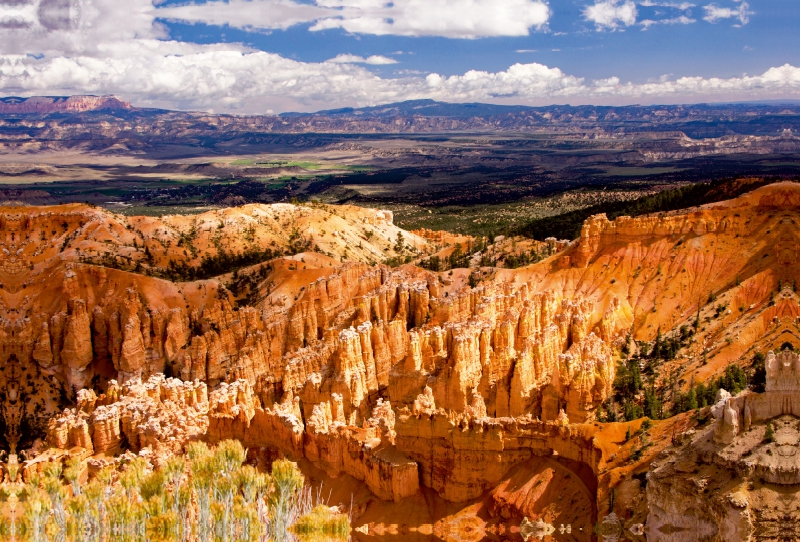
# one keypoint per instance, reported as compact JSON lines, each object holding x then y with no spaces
{"x":401,"y":377}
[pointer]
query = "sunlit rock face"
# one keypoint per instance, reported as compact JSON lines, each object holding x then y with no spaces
{"x":55,"y":15}
{"x":399,"y":378}
{"x":745,"y":466}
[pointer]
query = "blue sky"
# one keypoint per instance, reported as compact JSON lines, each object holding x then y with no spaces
{"x":277,"y":55}
{"x":571,"y":42}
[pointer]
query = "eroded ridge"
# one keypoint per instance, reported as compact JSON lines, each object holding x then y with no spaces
{"x":405,"y":382}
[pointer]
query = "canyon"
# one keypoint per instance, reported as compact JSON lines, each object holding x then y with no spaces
{"x":423,"y":398}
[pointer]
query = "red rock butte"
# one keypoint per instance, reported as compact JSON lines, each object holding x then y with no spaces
{"x":44,"y":105}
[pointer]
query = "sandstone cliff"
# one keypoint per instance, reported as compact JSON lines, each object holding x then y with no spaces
{"x":395,"y":377}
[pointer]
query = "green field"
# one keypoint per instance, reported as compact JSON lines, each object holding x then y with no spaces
{"x":615,"y":171}
{"x":311,"y":166}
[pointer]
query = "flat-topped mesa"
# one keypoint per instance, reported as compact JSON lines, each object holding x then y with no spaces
{"x":45,"y":105}
{"x":739,"y":217}
{"x":598,"y":231}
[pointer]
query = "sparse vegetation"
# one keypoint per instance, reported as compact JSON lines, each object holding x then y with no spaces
{"x":734,"y":380}
{"x":221,"y":263}
{"x":320,"y":521}
{"x":210,"y":494}
{"x":568,"y":225}
{"x":769,"y":434}
{"x":636,"y":394}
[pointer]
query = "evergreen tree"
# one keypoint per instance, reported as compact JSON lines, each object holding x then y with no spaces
{"x":691,"y":400}
{"x":700,"y":394}
{"x":759,"y":380}
{"x":769,"y":435}
{"x":656,"y":351}
{"x":652,"y":406}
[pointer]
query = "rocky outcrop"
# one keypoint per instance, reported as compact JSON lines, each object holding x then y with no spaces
{"x":325,"y":375}
{"x":367,"y":453}
{"x":159,"y":414}
{"x":461,"y":457}
{"x":76,"y":352}
{"x":731,"y":480}
{"x":43,"y":351}
{"x":402,"y":378}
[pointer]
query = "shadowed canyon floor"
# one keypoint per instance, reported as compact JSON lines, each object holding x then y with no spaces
{"x":458,"y":405}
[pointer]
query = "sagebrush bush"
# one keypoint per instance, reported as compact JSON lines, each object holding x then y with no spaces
{"x":207,"y":495}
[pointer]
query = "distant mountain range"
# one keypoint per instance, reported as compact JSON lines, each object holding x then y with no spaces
{"x":43,"y":105}
{"x":424,"y":108}
{"x":431,"y":108}
{"x":106,"y":116}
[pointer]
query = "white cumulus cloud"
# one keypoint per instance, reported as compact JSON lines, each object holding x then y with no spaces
{"x":449,"y":18}
{"x":611,"y":14}
{"x":520,"y":81}
{"x":355,"y":59}
{"x":246,"y":14}
{"x":58,"y":47}
{"x":256,"y":81}
{"x":65,"y":27}
{"x":714,"y":13}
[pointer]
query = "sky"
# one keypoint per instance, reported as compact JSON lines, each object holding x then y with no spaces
{"x":271,"y":56}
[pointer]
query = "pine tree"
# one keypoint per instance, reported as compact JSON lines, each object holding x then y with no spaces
{"x":400,"y":244}
{"x":656,"y":351}
{"x":652,"y":406}
{"x":691,"y":400}
{"x":700,"y":393}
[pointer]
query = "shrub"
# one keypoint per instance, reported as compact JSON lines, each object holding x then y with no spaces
{"x":769,"y":435}
{"x":322,"y":521}
{"x":206,"y":495}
